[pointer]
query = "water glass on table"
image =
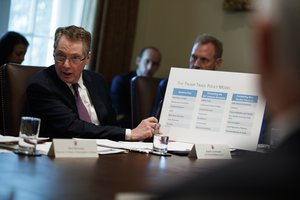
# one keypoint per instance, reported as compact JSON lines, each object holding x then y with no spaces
{"x":28,"y":135}
{"x":160,"y":141}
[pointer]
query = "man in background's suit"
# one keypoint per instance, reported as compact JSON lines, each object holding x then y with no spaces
{"x":73,"y":102}
{"x":147,"y":63}
{"x":275,"y":175}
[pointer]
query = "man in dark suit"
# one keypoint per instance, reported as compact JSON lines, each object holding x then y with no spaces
{"x":147,"y":62}
{"x":274,"y":175}
{"x":73,"y":102}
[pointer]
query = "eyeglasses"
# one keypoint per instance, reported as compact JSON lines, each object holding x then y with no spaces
{"x":74,"y":59}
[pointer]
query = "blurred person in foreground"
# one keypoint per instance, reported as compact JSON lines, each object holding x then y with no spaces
{"x":13,"y":47}
{"x":73,"y":102}
{"x":276,"y":174}
{"x":147,"y":62}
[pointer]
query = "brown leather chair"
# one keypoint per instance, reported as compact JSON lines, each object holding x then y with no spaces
{"x":14,"y":80}
{"x":143,"y":93}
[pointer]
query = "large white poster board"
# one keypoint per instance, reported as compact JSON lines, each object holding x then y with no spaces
{"x":213,"y":107}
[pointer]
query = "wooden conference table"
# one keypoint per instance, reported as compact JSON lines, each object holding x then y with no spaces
{"x":104,"y":177}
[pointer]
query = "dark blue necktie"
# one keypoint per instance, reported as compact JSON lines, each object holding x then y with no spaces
{"x":82,"y":111}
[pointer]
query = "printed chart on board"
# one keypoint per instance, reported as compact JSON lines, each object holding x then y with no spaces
{"x":213,"y":107}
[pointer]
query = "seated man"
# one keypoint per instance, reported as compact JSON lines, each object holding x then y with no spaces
{"x":206,"y":54}
{"x":73,"y":102}
{"x":147,"y":63}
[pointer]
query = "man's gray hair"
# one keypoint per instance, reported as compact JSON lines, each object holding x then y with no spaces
{"x":207,"y":38}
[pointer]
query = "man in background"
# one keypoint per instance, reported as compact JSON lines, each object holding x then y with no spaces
{"x":206,"y":54}
{"x":147,"y":63}
{"x":273,"y":175}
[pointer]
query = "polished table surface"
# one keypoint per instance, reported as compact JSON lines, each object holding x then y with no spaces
{"x":104,"y":177}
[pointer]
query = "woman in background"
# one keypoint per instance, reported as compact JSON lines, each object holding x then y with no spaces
{"x":13,"y":47}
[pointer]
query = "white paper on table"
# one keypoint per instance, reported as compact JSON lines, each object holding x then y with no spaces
{"x":13,"y":139}
{"x":213,"y":107}
{"x":179,"y":146}
{"x":124,"y":145}
{"x":8,"y":143}
{"x":142,"y":147}
{"x":109,"y":143}
{"x":107,"y":150}
{"x":137,"y":145}
{"x":8,"y":139}
{"x":146,"y":146}
{"x":43,"y":148}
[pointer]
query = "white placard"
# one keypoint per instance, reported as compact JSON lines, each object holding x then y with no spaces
{"x":210,"y":151}
{"x":73,"y":148}
{"x":213,"y":107}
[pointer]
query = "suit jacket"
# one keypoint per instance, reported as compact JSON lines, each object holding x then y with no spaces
{"x":50,"y":99}
{"x":263,"y":176}
{"x":121,"y":97}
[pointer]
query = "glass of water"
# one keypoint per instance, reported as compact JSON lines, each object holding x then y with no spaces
{"x":28,"y":135}
{"x":160,"y":141}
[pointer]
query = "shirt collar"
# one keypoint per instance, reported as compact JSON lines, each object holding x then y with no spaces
{"x":80,"y":82}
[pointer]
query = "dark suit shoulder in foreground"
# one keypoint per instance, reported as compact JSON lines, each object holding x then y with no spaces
{"x":262,"y":176}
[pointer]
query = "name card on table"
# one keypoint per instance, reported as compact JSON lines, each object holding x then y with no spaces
{"x":210,"y":151}
{"x":73,"y":148}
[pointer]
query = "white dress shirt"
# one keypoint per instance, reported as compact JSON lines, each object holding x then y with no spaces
{"x":85,"y":97}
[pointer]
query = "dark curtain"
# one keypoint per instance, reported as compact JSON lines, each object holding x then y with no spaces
{"x":113,"y":37}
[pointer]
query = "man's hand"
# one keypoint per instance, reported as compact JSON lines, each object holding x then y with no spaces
{"x":144,"y":130}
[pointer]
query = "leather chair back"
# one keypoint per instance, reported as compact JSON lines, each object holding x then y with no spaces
{"x":14,"y":80}
{"x":143,"y":93}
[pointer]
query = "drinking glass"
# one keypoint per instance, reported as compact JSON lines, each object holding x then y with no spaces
{"x":28,"y":135}
{"x":160,"y":141}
